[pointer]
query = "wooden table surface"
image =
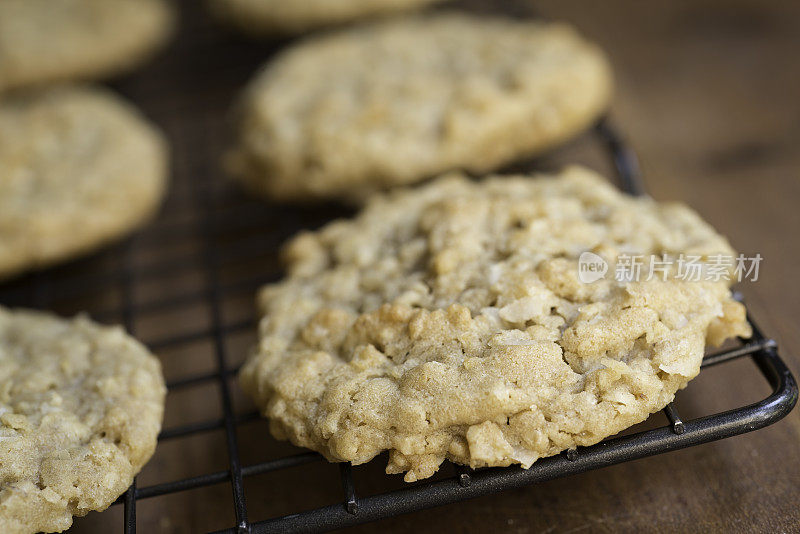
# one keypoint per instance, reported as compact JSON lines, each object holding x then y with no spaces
{"x":709,"y":96}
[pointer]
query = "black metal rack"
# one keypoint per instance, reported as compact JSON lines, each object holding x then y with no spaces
{"x":209,"y":214}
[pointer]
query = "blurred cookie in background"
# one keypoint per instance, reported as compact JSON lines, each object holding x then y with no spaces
{"x":78,"y":167}
{"x":51,"y":40}
{"x":284,"y":17}
{"x":399,"y":101}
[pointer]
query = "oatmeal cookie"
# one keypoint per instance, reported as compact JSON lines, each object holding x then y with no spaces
{"x":50,"y":40}
{"x":279,"y":17}
{"x":450,"y":322}
{"x":399,"y":101}
{"x":80,"y":409}
{"x":78,"y":168}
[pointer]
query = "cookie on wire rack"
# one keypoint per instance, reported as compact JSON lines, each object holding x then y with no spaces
{"x":399,"y":101}
{"x":43,"y":41}
{"x":79,"y":167}
{"x":80,"y":410}
{"x":451,"y":322}
{"x":264,"y":18}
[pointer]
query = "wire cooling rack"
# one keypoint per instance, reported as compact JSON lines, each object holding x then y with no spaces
{"x":213,"y":245}
{"x":216,"y":218}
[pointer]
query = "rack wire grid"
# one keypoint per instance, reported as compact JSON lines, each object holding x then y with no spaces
{"x":227,"y":231}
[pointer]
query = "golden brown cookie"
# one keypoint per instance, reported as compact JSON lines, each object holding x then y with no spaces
{"x":281,"y":17}
{"x":78,"y":167}
{"x":451,"y":322}
{"x":80,"y":410}
{"x":399,"y":101}
{"x":50,"y":40}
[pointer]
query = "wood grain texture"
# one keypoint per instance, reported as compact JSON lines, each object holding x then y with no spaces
{"x":707,"y":93}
